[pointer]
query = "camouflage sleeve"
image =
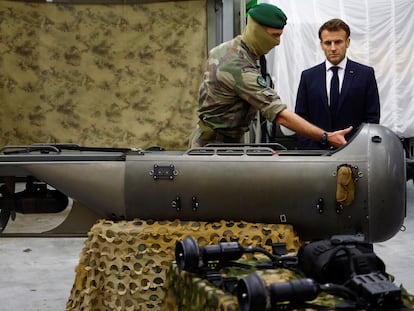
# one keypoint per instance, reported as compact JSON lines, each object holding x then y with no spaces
{"x":251,"y":87}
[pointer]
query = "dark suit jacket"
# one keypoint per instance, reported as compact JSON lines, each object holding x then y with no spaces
{"x":358,"y":102}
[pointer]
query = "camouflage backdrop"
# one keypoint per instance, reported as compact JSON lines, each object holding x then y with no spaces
{"x":113,"y":75}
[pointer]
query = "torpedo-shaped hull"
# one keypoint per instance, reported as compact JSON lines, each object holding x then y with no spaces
{"x":255,"y":184}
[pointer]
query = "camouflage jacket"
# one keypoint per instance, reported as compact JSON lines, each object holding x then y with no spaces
{"x":233,"y":91}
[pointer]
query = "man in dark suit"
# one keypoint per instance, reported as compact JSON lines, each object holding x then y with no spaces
{"x":339,"y":92}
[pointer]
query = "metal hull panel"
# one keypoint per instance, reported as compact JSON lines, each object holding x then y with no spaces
{"x":97,"y":185}
{"x":276,"y":188}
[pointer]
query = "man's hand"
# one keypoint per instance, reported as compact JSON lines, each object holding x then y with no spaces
{"x":337,"y":138}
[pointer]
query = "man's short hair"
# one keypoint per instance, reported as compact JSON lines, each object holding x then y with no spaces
{"x":335,"y":24}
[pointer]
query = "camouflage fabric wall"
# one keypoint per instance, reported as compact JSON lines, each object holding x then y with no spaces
{"x":112,"y":75}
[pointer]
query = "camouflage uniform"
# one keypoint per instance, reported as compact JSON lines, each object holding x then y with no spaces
{"x":232,"y":92}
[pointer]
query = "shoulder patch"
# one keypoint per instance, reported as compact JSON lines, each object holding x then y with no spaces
{"x":261,"y":81}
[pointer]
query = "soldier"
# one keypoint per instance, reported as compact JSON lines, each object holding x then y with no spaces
{"x":233,"y":89}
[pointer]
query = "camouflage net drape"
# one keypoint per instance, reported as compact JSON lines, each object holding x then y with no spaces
{"x":129,"y":266}
{"x":124,"y":265}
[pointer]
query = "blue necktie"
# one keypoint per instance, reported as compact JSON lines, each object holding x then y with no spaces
{"x":334,"y":93}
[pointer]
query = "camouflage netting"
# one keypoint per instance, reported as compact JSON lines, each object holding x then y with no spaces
{"x":189,"y":292}
{"x":124,"y":265}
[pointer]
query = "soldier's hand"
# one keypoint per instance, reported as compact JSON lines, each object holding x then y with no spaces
{"x":337,"y":138}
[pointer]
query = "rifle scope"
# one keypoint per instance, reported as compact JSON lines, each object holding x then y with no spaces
{"x":188,"y":254}
{"x":253,"y":295}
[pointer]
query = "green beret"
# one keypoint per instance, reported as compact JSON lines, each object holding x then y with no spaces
{"x":268,"y":15}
